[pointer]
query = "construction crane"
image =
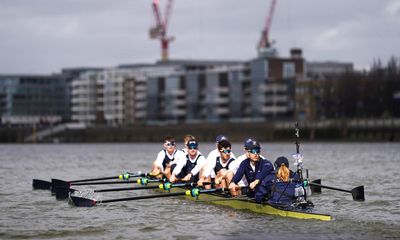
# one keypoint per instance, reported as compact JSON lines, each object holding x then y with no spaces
{"x":265,"y":45}
{"x":160,"y":30}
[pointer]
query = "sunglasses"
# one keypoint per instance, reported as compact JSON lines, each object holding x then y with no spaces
{"x":226,"y":151}
{"x":192,"y":146}
{"x":254,"y":151}
{"x":169,"y":144}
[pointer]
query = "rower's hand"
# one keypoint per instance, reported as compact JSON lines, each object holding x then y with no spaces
{"x":232,"y":186}
{"x":200,"y":182}
{"x":154,"y":173}
{"x":187,"y":177}
{"x":254,"y":183}
{"x":218,"y":180}
{"x":172,"y":178}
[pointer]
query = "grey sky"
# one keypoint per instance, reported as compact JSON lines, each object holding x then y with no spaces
{"x":44,"y":36}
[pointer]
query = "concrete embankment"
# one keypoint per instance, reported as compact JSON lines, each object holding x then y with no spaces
{"x":329,"y":130}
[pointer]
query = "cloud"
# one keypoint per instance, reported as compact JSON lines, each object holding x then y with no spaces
{"x":393,"y":8}
{"x":66,"y":33}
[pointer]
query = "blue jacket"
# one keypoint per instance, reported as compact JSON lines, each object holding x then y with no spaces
{"x":277,"y":192}
{"x":262,"y":169}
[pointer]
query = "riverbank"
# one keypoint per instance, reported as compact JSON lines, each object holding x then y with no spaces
{"x":329,"y":130}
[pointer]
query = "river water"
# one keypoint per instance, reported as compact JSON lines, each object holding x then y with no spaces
{"x":35,"y":214}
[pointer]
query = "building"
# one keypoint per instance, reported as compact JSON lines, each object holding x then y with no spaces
{"x":86,"y":94}
{"x":273,"y":82}
{"x":33,"y":99}
{"x":197,"y":91}
{"x":267,"y":88}
{"x":313,"y":91}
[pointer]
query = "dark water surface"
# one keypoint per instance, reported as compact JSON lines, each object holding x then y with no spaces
{"x":35,"y":214}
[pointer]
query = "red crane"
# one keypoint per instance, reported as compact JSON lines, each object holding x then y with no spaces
{"x":160,"y":30}
{"x":264,"y":40}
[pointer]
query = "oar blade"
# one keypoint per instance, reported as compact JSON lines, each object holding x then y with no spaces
{"x":41,"y":184}
{"x":316,"y":188}
{"x":358,"y":193}
{"x":55,"y":183}
{"x":81,"y":202}
{"x":62,"y":193}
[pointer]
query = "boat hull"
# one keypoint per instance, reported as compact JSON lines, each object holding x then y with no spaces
{"x":251,"y":205}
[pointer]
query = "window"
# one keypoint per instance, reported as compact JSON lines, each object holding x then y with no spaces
{"x":266,"y":69}
{"x":182,"y":83}
{"x":223,"y":80}
{"x":289,"y":70}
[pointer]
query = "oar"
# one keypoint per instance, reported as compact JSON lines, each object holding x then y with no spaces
{"x":315,"y":189}
{"x":41,"y":184}
{"x":63,"y":193}
{"x":145,"y":181}
{"x":357,"y":192}
{"x":86,"y":202}
{"x":57,"y":183}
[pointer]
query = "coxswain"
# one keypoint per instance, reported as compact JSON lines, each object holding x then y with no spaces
{"x":255,"y":168}
{"x":282,"y":187}
{"x":188,"y":169}
{"x":218,"y":166}
{"x":166,"y":157}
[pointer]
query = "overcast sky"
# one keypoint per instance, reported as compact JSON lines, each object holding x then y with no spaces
{"x":44,"y":36}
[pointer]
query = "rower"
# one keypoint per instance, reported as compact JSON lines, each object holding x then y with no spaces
{"x":186,"y":139}
{"x":215,"y":153}
{"x":166,"y":157}
{"x":235,"y":166}
{"x":219,"y":166}
{"x":282,"y":187}
{"x":255,"y":168}
{"x":188,"y":170}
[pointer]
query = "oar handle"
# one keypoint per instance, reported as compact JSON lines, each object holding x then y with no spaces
{"x":328,"y":187}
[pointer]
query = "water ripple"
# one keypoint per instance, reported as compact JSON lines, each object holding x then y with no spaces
{"x":28,"y":214}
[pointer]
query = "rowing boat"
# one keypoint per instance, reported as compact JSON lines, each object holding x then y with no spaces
{"x":244,"y":203}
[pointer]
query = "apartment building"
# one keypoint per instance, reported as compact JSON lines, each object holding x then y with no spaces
{"x":311,"y":91}
{"x":113,"y":96}
{"x":273,"y":82}
{"x":197,"y":92}
{"x":84,"y":97}
{"x":266,"y":88}
{"x":33,"y":99}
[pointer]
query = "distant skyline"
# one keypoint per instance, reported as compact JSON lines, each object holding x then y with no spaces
{"x":44,"y":36}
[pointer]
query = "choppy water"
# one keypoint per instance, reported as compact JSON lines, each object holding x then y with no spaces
{"x":26,"y":213}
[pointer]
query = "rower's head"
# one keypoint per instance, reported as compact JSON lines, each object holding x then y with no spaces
{"x":225,"y":149}
{"x":253,"y":150}
{"x":169,"y":144}
{"x":187,"y":137}
{"x":220,"y":138}
{"x":248,"y":142}
{"x":282,"y":168}
{"x":192,"y":147}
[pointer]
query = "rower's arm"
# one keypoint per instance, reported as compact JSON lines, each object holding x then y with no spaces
{"x":180,"y":160}
{"x":200,"y":163}
{"x":239,"y":174}
{"x":208,"y":168}
{"x":159,"y":160}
